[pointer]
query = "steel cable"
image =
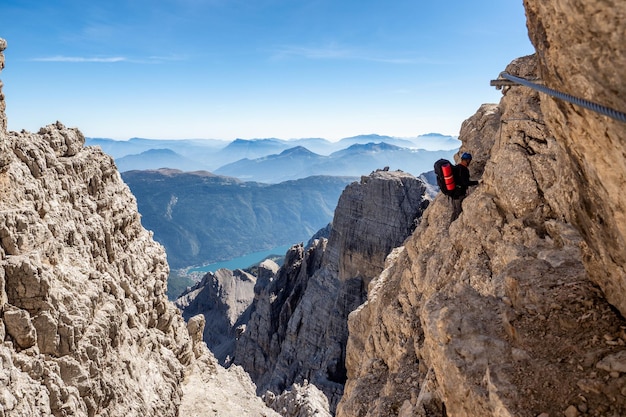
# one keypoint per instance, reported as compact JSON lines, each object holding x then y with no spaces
{"x":598,"y":108}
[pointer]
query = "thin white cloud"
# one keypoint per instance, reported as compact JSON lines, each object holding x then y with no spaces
{"x":329,"y":52}
{"x":340,"y":53}
{"x":113,"y":59}
{"x":60,"y":58}
{"x":168,"y":58}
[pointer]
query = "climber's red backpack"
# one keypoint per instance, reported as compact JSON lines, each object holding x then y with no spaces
{"x":444,"y":170}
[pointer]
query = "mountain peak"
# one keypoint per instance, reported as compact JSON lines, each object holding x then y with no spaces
{"x":371,"y":146}
{"x":158,"y":151}
{"x":297,"y":151}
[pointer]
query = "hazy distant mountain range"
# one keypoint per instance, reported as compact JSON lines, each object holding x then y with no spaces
{"x":274,"y":160}
{"x":200,"y":217}
{"x":211,"y":200}
{"x":355,"y":160}
{"x":151,"y":158}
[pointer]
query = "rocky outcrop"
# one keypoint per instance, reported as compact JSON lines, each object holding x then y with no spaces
{"x":83,"y":287}
{"x":276,"y":299}
{"x":3,"y":118}
{"x":298,"y":328}
{"x":372,"y":218}
{"x":224,"y":299}
{"x":514,"y":308}
{"x":300,"y":401}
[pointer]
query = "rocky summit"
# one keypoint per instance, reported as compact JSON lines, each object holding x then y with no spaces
{"x":514,"y":309}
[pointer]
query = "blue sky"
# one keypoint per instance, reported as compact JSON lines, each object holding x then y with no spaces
{"x":227,"y":69}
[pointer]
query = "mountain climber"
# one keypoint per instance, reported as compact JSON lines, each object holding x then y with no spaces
{"x":463,"y":181}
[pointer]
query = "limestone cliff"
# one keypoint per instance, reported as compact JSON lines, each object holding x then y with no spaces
{"x":85,"y":319}
{"x":86,"y":327}
{"x":224,"y":298}
{"x":83,"y":287}
{"x":514,"y":308}
{"x":297,"y":332}
{"x":581,"y":51}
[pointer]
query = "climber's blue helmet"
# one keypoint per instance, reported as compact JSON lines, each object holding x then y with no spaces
{"x":466,"y":155}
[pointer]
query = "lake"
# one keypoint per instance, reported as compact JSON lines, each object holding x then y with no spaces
{"x":243,"y":261}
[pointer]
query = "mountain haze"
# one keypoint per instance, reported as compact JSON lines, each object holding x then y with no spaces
{"x":356,"y":160}
{"x":290,"y":164}
{"x":211,"y":154}
{"x":373,"y":138}
{"x":201,"y":218}
{"x":185,"y":147}
{"x":157,"y":158}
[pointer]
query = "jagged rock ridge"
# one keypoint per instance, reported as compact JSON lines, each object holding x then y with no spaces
{"x":224,"y":298}
{"x":83,"y":286}
{"x":297,"y":331}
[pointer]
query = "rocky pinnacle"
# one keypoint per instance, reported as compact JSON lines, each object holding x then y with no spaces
{"x":3,"y":117}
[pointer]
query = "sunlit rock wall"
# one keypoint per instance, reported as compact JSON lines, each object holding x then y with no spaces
{"x":510,"y":310}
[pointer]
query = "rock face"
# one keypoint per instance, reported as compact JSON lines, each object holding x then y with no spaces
{"x":85,"y":323}
{"x":581,"y":50}
{"x":224,"y":299}
{"x":298,"y":328}
{"x":514,"y":308}
{"x":83,"y":287}
{"x":372,"y":218}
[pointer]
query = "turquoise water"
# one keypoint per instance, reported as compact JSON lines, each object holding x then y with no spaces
{"x":243,"y":261}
